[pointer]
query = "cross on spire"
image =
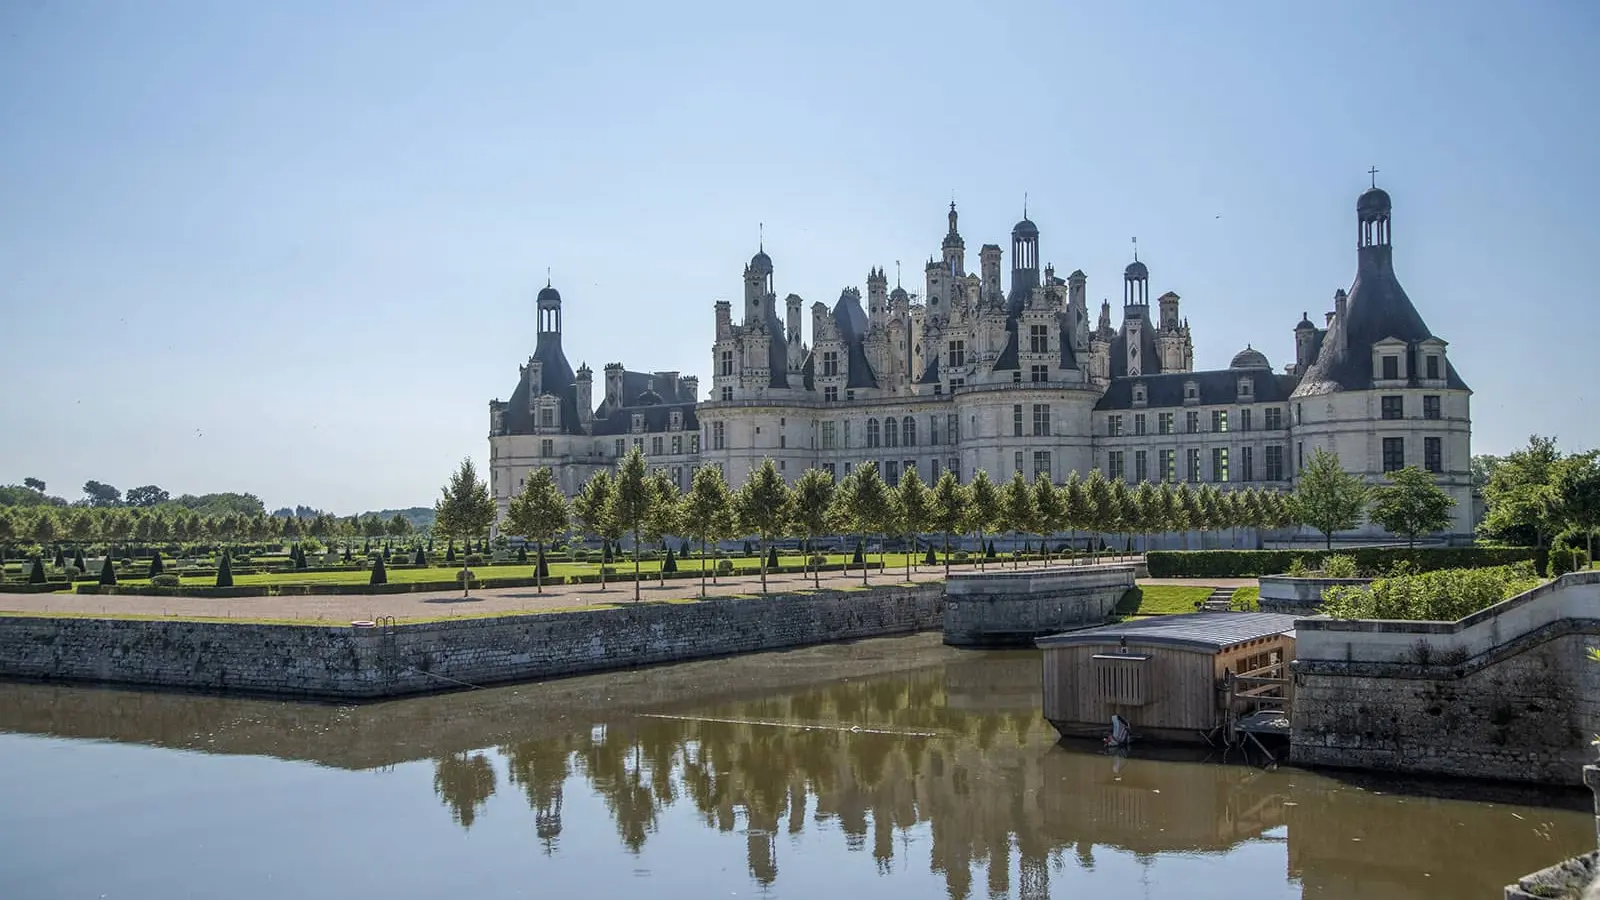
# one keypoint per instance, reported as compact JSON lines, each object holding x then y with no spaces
{"x":1374,"y":173}
{"x":1136,"y":249}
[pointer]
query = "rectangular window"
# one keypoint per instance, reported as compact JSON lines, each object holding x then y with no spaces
{"x":909,"y":466}
{"x":1164,"y":423}
{"x":828,"y":467}
{"x":1299,"y":455}
{"x":1219,"y":464}
{"x":1016,"y":420}
{"x":933,"y":430}
{"x":694,"y":442}
{"x":1274,"y":462}
{"x":954,"y":383}
{"x":1141,"y":466}
{"x":1138,"y":423}
{"x":891,"y":472}
{"x":547,"y":417}
{"x":1114,"y":466}
{"x":1433,"y":454}
{"x":621,"y":447}
{"x":727,"y":394}
{"x":1169,"y":466}
{"x":1433,"y":367}
{"x":830,"y":435}
{"x":1272,"y":418}
{"x":1038,"y":339}
{"x":952,"y":428}
{"x":638,"y":444}
{"x":846,"y":435}
{"x":1114,"y":425}
{"x":1041,"y":464}
{"x":1041,"y":374}
{"x":1219,"y":420}
{"x":1394,"y":454}
{"x":830,"y":394}
{"x":783,"y":441}
{"x":958,"y":354}
{"x":1193,"y":473}
{"x":847,"y":468}
{"x":1192,"y":421}
{"x":677,"y":477}
{"x":1393,"y":407}
{"x":954,"y":465}
{"x":1016,"y":461}
{"x":1430,"y":406}
{"x":657,"y":445}
{"x":1247,"y":464}
{"x":716,"y":435}
{"x":677,"y":444}
{"x":547,"y":447}
{"x":1244,"y":420}
{"x":1299,"y":413}
{"x":1041,"y":420}
{"x":830,"y":363}
{"x":1016,"y":376}
{"x":727,"y":362}
{"x":1391,"y":368}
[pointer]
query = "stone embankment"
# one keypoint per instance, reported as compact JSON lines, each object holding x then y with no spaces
{"x":1507,"y":693}
{"x":1011,"y":607}
{"x":372,"y":662}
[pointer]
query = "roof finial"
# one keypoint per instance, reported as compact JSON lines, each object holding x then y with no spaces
{"x":1136,"y":249}
{"x":897,"y":273}
{"x":1024,"y":204}
{"x":761,"y":237}
{"x":546,"y":276}
{"x":1374,"y":173}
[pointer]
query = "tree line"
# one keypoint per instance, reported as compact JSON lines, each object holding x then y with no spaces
{"x":45,"y":525}
{"x":632,"y":502}
{"x":1540,"y":496}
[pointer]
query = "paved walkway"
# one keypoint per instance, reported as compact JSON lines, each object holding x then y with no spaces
{"x":343,"y":609}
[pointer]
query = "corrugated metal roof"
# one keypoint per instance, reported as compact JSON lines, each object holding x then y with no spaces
{"x":1201,"y":631}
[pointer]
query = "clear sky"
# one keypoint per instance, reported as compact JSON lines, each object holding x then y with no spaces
{"x":292,"y":247}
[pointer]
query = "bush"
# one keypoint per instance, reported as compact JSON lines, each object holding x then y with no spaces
{"x":164,"y":581}
{"x":608,"y":570}
{"x":380,"y":575}
{"x":649,"y":554}
{"x":1568,"y":553}
{"x":930,"y":559}
{"x":1339,"y":566}
{"x":818,"y":560}
{"x":72,"y":572}
{"x":466,"y":576}
{"x":225,"y":571}
{"x":1250,"y":563}
{"x":724,"y":566}
{"x":772,"y":558}
{"x":670,"y":564}
{"x":1443,"y":595}
{"x":474,"y":559}
{"x":961,"y":556}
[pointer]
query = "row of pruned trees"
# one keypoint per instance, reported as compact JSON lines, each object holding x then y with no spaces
{"x":84,"y":525}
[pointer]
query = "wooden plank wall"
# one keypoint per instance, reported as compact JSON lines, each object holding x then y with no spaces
{"x":1180,"y":688}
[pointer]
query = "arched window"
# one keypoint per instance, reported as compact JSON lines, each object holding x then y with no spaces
{"x":908,"y":431}
{"x":872,"y":432}
{"x":891,"y":432}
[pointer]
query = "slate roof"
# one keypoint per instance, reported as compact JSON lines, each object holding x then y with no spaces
{"x":1377,"y":308}
{"x":1220,"y":386}
{"x":640,"y":391}
{"x":851,"y":321}
{"x":1147,"y":350}
{"x":1204,"y":631}
{"x":556,"y":377}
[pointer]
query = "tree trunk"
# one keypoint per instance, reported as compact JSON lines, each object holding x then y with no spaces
{"x":913,"y":552}
{"x":538,"y":580}
{"x":983,"y":555}
{"x":816,"y":568}
{"x":947,"y":555}
{"x":702,"y":570}
{"x":636,"y":565}
{"x":763,"y":545}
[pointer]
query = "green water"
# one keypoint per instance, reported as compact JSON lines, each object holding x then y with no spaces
{"x":889,"y":769}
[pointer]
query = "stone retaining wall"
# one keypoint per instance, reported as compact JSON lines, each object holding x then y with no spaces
{"x":1293,"y":596}
{"x":1507,"y":693}
{"x":1004,"y":607}
{"x":368,"y":663}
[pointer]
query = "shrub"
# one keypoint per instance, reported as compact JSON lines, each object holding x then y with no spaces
{"x":1339,"y":566}
{"x":474,"y":559}
{"x":1250,"y":563}
{"x":724,"y":566}
{"x":772,"y":557}
{"x":164,"y":580}
{"x":1441,"y":595}
{"x":608,"y":570}
{"x":380,"y":575}
{"x":961,"y":556}
{"x":930,"y":559}
{"x":225,"y":571}
{"x":1568,"y":553}
{"x":670,"y":564}
{"x":649,"y":554}
{"x":72,"y":572}
{"x":156,"y":566}
{"x":36,"y":571}
{"x":465,"y":576}
{"x":860,"y":557}
{"x":818,"y":559}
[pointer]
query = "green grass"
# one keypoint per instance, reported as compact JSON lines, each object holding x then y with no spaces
{"x":1247,"y":599}
{"x":1161,"y":599}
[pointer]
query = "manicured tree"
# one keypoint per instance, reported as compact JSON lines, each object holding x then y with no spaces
{"x":1328,"y":498}
{"x":596,"y":514}
{"x":870,"y":507}
{"x":1193,"y":512}
{"x":1412,"y":503}
{"x":838,"y":519}
{"x":913,"y":511}
{"x":1017,"y":513}
{"x":43,"y":527}
{"x":1171,"y":509}
{"x":1235,"y":508}
{"x":683,"y":549}
{"x":81,"y":528}
{"x":929,"y":559}
{"x":1211,"y":511}
{"x":1127,"y":511}
{"x":1147,"y":506}
{"x":1100,"y":512}
{"x":707,"y":513}
{"x":36,"y":571}
{"x":60,"y":561}
{"x":948,"y":515}
{"x":380,"y":575}
{"x":1074,"y":508}
{"x":78,"y":560}
{"x":670,"y":564}
{"x":290,"y":529}
{"x":156,"y":567}
{"x":388,"y":552}
{"x":763,"y":507}
{"x":522,"y":553}
{"x":813,"y":494}
{"x":464,"y":510}
{"x":225,"y":570}
{"x":542,"y":569}
{"x":1047,"y":509}
{"x":419,"y":558}
{"x":983,"y":512}
{"x":450,"y":552}
{"x":859,"y":558}
{"x":772,"y":558}
{"x":663,"y":519}
{"x":108,"y":572}
{"x":539,"y":513}
{"x":1252,"y":512}
{"x":632,"y":503}
{"x":347,"y":553}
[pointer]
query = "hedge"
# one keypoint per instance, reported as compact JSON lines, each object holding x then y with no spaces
{"x":1251,"y":563}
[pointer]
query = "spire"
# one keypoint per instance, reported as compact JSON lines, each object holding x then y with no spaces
{"x":1374,"y":173}
{"x":546,"y":276}
{"x":761,"y":237}
{"x":1136,"y":248}
{"x":1024,"y":204}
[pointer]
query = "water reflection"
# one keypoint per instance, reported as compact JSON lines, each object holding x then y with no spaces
{"x":926,"y":759}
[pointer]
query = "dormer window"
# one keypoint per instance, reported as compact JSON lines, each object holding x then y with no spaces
{"x":676,"y":417}
{"x":1247,"y":388}
{"x":1191,"y":392}
{"x":1391,"y":368}
{"x":638,"y":422}
{"x":1140,"y":397}
{"x":1431,"y":366}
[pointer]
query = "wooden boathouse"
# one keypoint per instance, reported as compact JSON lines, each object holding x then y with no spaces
{"x":1191,"y":678}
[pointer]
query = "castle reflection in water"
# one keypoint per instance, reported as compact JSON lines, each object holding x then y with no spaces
{"x":947,"y":757}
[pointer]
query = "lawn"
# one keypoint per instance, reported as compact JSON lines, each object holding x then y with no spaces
{"x":1161,"y":599}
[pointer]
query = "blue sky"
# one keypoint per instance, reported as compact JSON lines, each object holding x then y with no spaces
{"x":292,"y":247}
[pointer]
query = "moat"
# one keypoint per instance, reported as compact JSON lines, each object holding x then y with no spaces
{"x":886,"y":768}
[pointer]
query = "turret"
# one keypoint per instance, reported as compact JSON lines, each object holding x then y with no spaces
{"x":792,"y":304}
{"x":1169,"y":311}
{"x":989,"y":261}
{"x":757,"y":287}
{"x":614,"y":384}
{"x":954,"y":248}
{"x":585,"y":389}
{"x":1305,"y":335}
{"x":724,"y":319}
{"x":1024,"y":262}
{"x":877,"y":298}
